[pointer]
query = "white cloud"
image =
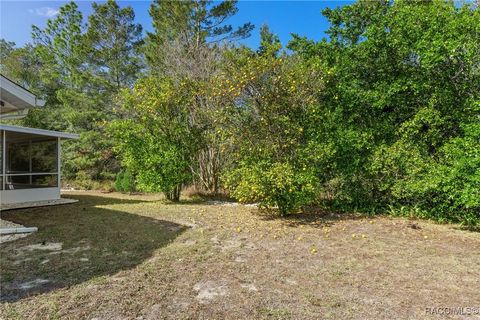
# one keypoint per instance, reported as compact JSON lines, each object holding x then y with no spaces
{"x":45,"y":12}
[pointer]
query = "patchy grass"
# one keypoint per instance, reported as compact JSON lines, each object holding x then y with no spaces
{"x":113,"y":256}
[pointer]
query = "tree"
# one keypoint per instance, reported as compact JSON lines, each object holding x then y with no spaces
{"x":6,"y":49}
{"x":188,"y":28}
{"x":270,"y":108}
{"x":157,"y":141}
{"x":268,"y":41}
{"x":404,"y":89}
{"x":20,"y":65}
{"x":188,"y":43}
{"x":59,"y":46}
{"x":83,"y":68}
{"x":112,"y":43}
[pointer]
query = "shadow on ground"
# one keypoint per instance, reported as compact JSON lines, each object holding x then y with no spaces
{"x":312,"y":217}
{"x":475,"y":229}
{"x":103,"y":199}
{"x":78,"y":242}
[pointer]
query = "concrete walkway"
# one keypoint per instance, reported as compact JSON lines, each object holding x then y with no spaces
{"x":4,"y":224}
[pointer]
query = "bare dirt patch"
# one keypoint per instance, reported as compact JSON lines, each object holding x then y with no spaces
{"x":49,"y":246}
{"x":210,"y":290}
{"x":32,"y":284}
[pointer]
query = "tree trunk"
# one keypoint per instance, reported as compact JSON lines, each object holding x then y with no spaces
{"x":174,"y":195}
{"x":209,"y":169}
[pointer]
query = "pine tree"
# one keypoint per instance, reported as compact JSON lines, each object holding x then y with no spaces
{"x":187,"y":27}
{"x":112,"y":44}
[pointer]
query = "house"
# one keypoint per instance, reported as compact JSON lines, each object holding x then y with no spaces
{"x":30,"y":158}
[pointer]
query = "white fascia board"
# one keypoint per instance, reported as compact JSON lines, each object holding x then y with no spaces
{"x":41,"y":132}
{"x":19,"y":92}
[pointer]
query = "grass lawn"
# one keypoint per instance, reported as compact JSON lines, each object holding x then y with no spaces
{"x":113,"y":256}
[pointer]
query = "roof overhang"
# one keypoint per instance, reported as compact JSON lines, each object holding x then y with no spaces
{"x":39,"y":132}
{"x":15,"y":98}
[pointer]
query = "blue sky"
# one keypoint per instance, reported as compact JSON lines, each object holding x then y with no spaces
{"x":283,"y":17}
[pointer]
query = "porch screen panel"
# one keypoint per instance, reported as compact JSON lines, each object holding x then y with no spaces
{"x":18,"y":155}
{"x":44,"y":156}
{"x":31,"y":162}
{"x":44,"y":180}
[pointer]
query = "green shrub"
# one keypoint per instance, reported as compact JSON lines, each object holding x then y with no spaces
{"x":125,"y":182}
{"x":273,"y":185}
{"x":157,"y":141}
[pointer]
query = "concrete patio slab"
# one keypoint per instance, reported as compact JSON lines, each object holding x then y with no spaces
{"x":33,"y":204}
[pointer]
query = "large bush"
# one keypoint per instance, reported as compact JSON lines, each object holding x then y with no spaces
{"x":269,"y":110}
{"x":156,"y":142}
{"x":407,"y":76}
{"x":273,"y":185}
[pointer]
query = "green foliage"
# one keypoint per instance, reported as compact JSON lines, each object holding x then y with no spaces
{"x":80,"y":69}
{"x":112,"y":44}
{"x":396,"y":106}
{"x":268,"y":41}
{"x":384,"y":116}
{"x":156,"y":143}
{"x":406,"y":78}
{"x":273,"y":185}
{"x":189,"y":25}
{"x":20,"y":64}
{"x":446,"y":188}
{"x":269,"y":111}
{"x":125,"y":181}
{"x":59,"y":46}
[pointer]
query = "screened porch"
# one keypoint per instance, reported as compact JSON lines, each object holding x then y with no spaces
{"x":30,"y":159}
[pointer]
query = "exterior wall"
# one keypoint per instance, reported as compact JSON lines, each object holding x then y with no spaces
{"x":27,"y":195}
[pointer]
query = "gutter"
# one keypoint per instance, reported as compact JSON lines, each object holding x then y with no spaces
{"x":14,"y":115}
